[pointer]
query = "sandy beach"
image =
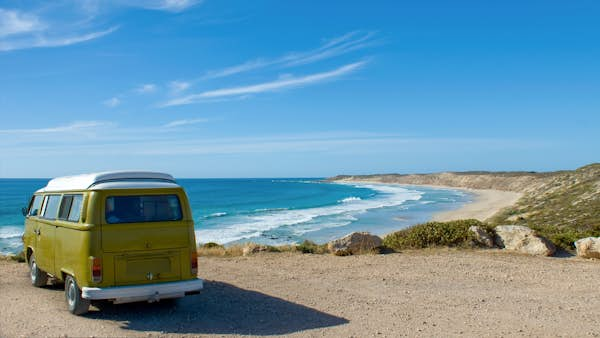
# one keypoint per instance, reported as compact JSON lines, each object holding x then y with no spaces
{"x":413,"y":293}
{"x":486,"y":203}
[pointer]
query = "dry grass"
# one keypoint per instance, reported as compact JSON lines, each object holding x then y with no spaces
{"x":237,"y":250}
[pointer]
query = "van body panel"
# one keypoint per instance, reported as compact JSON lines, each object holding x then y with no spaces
{"x":45,"y":237}
{"x":73,"y":246}
{"x":144,"y":236}
{"x":146,"y":268}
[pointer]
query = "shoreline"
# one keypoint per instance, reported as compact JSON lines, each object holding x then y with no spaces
{"x":485,"y":203}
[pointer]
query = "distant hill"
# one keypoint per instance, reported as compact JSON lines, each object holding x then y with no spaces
{"x":561,"y":205}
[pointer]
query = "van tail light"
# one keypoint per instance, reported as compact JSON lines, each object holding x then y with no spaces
{"x":96,"y":269}
{"x":194,"y":262}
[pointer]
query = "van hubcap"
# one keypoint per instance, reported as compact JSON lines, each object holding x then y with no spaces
{"x":33,"y":271}
{"x":71,"y":294}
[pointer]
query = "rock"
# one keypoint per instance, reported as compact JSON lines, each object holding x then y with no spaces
{"x":481,"y":236}
{"x":588,"y":247}
{"x":523,"y":239}
{"x":354,"y":243}
{"x":252,"y":248}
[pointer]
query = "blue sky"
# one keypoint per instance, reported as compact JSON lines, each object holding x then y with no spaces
{"x":297,"y":89}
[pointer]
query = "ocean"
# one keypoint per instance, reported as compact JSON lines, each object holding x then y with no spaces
{"x":271,"y":211}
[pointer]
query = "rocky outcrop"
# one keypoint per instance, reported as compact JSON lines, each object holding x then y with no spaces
{"x":481,"y":236}
{"x":354,"y":243}
{"x":523,"y":239}
{"x":588,"y":247}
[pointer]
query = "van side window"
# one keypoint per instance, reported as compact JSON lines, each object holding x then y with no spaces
{"x":75,"y":208}
{"x":65,"y":207}
{"x":70,"y":208}
{"x":34,"y":206}
{"x":51,"y":209}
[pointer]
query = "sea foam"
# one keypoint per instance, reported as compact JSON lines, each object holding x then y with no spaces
{"x":301,"y":221}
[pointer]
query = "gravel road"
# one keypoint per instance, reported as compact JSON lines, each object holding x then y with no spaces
{"x":414,"y":293}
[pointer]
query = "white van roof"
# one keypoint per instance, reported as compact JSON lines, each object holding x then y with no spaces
{"x":111,"y":180}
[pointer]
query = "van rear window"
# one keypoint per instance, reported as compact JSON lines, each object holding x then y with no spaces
{"x":146,"y":208}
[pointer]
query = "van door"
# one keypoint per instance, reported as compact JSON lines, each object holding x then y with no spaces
{"x":45,"y":232}
{"x":31,"y":221}
{"x":147,"y":234}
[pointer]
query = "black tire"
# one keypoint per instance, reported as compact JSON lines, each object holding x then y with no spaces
{"x":75,"y":303}
{"x":39,"y":278}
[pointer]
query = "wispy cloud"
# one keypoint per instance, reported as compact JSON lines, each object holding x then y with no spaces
{"x":158,"y":140}
{"x":76,"y":126}
{"x":341,"y":45}
{"x":177,"y":87}
{"x":180,"y":123}
{"x":112,"y":102}
{"x":334,"y":47}
{"x":146,"y":88}
{"x":22,"y":30}
{"x":241,"y":68}
{"x":15,"y":22}
{"x":280,"y":84}
{"x":46,"y":26}
{"x":163,"y":5}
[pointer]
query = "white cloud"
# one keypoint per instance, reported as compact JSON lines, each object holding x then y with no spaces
{"x":244,"y":67}
{"x":146,"y":88}
{"x":340,"y":45}
{"x":14,"y":22}
{"x":163,"y":5}
{"x":41,"y":40}
{"x":179,"y":86}
{"x":158,"y":140}
{"x":285,"y":83}
{"x":76,"y":126}
{"x":112,"y":102}
{"x":179,"y":123}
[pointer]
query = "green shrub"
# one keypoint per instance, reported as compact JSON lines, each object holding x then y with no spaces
{"x":211,"y":245}
{"x":271,"y":248}
{"x":435,"y":234}
{"x":565,"y":237}
{"x":20,"y":257}
{"x":312,"y":247}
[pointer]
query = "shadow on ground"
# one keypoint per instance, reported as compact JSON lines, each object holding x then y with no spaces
{"x":221,"y":308}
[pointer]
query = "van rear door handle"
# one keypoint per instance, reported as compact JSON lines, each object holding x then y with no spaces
{"x":38,"y":232}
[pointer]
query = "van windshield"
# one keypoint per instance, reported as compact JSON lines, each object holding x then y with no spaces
{"x":146,"y":208}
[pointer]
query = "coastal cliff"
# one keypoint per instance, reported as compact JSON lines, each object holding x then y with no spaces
{"x":506,"y":181}
{"x":562,"y":205}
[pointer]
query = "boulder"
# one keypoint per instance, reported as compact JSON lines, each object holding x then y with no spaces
{"x":588,"y":247}
{"x":524,"y":240}
{"x":354,"y":243}
{"x":481,"y":236}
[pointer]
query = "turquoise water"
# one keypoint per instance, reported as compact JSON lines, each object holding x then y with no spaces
{"x":271,"y":211}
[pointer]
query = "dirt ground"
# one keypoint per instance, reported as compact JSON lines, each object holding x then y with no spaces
{"x":414,"y":293}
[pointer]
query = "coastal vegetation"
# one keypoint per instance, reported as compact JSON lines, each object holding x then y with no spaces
{"x":562,"y":206}
{"x":564,"y":209}
{"x":436,"y":234}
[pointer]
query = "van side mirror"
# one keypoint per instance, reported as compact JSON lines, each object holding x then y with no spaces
{"x":24,"y":211}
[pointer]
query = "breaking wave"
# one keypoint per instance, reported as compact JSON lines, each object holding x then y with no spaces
{"x":301,"y":221}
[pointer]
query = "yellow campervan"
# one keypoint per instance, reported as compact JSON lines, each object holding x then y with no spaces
{"x":118,"y":236}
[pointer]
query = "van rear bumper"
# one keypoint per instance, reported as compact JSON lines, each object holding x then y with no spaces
{"x":146,"y":292}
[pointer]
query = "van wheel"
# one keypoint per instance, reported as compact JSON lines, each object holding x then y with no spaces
{"x":76,"y":304}
{"x":38,"y":277}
